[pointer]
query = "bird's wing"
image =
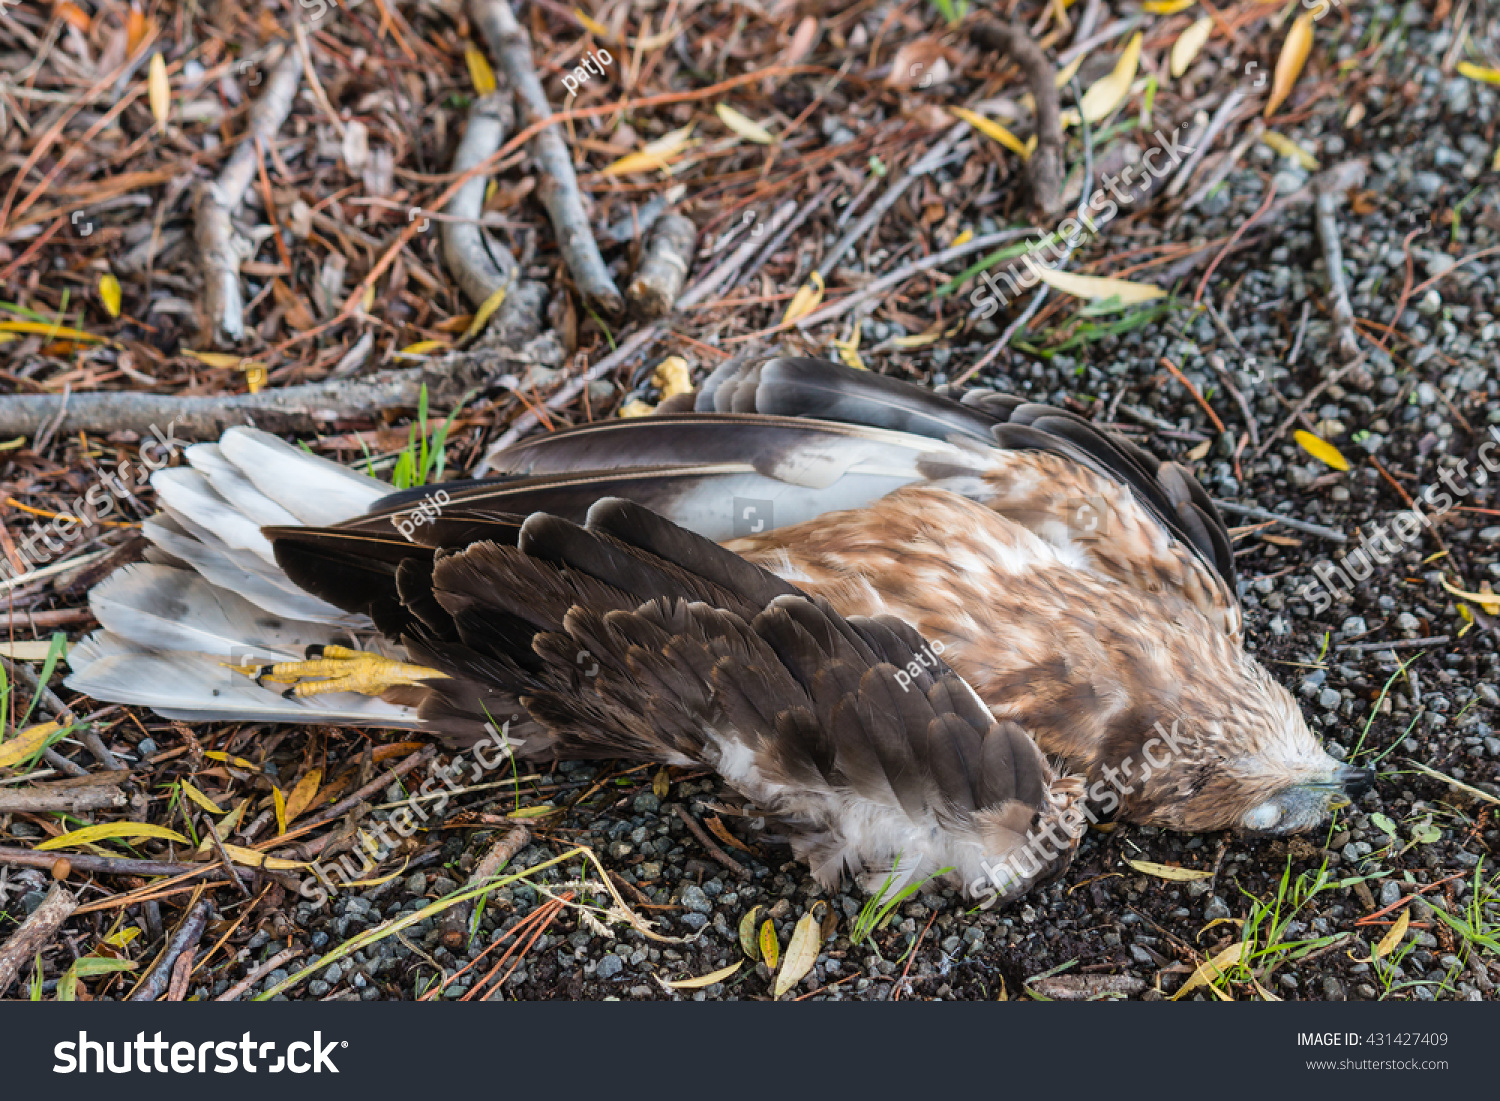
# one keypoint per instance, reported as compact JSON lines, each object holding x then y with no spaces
{"x":633,"y":637}
{"x":777,"y":443}
{"x":813,"y":388}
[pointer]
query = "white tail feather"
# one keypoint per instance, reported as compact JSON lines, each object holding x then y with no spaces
{"x":232,"y":485}
{"x":195,"y":687}
{"x":161,"y":608}
{"x":185,"y":492}
{"x":211,"y":592}
{"x":264,"y":587}
{"x":317,"y":492}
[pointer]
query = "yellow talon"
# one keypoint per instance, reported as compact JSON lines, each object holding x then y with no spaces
{"x":340,"y":669}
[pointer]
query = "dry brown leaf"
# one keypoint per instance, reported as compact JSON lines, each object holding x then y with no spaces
{"x":1188,"y":43}
{"x":803,"y":40}
{"x":1098,"y":288}
{"x":801,"y":954}
{"x":1294,"y":53}
{"x":159,"y":90}
{"x":748,"y":944}
{"x":1169,"y":871}
{"x":721,"y":831}
{"x":294,"y":312}
{"x":1105,"y":94}
{"x":706,"y":980}
{"x":303,"y":795}
{"x":1210,"y":970}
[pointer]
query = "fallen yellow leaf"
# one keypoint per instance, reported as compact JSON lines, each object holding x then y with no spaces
{"x":482,"y":315}
{"x":1169,"y":871}
{"x":991,"y":129}
{"x":198,"y":797}
{"x":635,"y":407}
{"x":214,"y":359}
{"x":806,"y":300}
{"x":110,"y":831}
{"x":1294,"y":53}
{"x":303,"y":794}
{"x":159,"y":90}
{"x":747,"y":933}
{"x":770,"y":947}
{"x":593,"y":26}
{"x":1098,"y":288}
{"x":1392,"y":939}
{"x":801,"y":954}
{"x":109,"y":293}
{"x":653,"y":155}
{"x":1286,"y":147}
{"x":1320,"y":449}
{"x":1210,"y":970}
{"x":746,"y":128}
{"x":423,"y":347}
{"x":1108,"y":92}
{"x":253,"y":859}
{"x":1067,"y":72}
{"x":480,"y":73}
{"x":279,"y":801}
{"x":25,"y":744}
{"x":1167,"y":7}
{"x":707,"y":980}
{"x":1188,"y":43}
{"x":237,"y":762}
{"x":51,"y":332}
{"x":1486,"y":598}
{"x":1478,"y":72}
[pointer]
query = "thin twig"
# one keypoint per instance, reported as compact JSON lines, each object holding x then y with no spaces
{"x":1256,"y":513}
{"x":237,"y":991}
{"x":35,"y":933}
{"x":1394,"y":644}
{"x":1191,"y":389}
{"x":480,"y":263}
{"x":455,"y":922}
{"x":219,"y":248}
{"x":558,"y":184}
{"x":1044,"y":168}
{"x":1305,"y":404}
{"x":184,"y":940}
{"x":708,"y":843}
{"x":1326,"y":218}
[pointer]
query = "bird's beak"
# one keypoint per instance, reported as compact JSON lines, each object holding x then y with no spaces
{"x":1355,"y":782}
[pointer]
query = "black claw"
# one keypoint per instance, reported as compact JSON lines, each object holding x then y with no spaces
{"x":260,"y":676}
{"x":290,"y":693}
{"x":314,"y":652}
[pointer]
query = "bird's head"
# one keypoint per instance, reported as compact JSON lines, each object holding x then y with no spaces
{"x":1247,"y":762}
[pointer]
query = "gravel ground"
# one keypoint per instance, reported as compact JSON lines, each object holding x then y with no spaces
{"x":1107,"y":929}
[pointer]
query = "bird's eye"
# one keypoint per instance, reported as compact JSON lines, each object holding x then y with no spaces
{"x":1263,"y":817}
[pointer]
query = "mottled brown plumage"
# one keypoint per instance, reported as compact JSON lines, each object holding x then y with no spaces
{"x":879,"y":542}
